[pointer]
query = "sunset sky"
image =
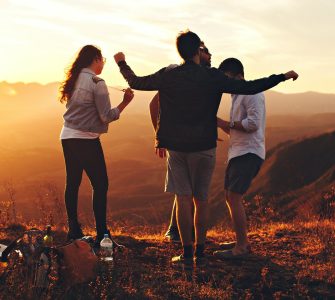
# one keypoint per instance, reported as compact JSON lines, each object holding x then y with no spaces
{"x":39,"y":38}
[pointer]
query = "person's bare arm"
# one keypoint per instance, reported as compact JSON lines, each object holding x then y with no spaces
{"x":127,"y":97}
{"x":224,"y":125}
{"x":238,"y":126}
{"x":154,"y":109}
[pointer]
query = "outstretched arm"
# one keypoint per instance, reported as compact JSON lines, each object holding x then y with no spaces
{"x":145,"y":83}
{"x":243,"y":87}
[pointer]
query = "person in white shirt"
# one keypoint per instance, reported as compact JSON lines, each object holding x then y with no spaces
{"x":245,"y":156}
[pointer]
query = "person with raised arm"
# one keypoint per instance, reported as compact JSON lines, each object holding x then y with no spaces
{"x":246,"y":153}
{"x":172,"y":233}
{"x":189,"y":100}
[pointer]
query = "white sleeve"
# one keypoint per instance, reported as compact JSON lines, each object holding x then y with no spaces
{"x":254,"y":106}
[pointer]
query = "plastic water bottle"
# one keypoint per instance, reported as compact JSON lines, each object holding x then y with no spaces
{"x":106,"y":246}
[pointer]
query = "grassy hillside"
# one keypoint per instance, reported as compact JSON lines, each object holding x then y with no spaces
{"x":31,"y":156}
{"x":296,"y":164}
{"x":289,"y":261}
{"x":296,"y":175}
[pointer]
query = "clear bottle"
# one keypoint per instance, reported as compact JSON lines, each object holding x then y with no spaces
{"x":106,"y":247}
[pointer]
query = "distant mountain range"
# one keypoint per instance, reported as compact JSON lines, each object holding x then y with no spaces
{"x":298,"y":168}
{"x":40,"y":97}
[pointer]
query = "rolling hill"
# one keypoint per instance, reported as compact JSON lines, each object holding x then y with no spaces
{"x":31,"y":156}
{"x":296,"y":175}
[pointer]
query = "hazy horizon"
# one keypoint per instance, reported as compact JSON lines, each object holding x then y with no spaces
{"x":31,"y":154}
{"x":39,"y":40}
{"x":124,"y":85}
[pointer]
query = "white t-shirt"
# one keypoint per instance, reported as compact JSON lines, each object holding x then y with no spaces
{"x":250,"y":110}
{"x":69,"y":133}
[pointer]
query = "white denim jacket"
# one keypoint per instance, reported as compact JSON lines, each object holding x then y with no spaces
{"x":89,"y":108}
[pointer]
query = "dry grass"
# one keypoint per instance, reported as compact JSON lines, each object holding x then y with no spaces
{"x":289,"y":261}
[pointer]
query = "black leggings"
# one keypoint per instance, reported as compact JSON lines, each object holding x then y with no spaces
{"x":79,"y":155}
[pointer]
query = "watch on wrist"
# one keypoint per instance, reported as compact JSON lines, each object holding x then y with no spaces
{"x":231,"y":124}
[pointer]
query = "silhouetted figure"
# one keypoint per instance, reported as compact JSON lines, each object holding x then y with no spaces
{"x":172,"y":233}
{"x":189,"y":100}
{"x":246,"y":154}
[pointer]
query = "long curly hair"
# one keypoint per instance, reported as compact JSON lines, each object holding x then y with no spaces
{"x":84,"y":59}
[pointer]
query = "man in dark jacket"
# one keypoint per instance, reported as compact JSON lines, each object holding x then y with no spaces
{"x":172,"y":233}
{"x":189,"y":100}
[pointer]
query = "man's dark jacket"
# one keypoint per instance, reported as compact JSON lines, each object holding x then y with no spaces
{"x":189,"y":97}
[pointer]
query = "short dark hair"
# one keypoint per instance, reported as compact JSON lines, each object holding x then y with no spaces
{"x":188,"y":44}
{"x":233,"y":66}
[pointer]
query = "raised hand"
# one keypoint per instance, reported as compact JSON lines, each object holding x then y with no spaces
{"x":291,"y":74}
{"x":128,"y":95}
{"x":119,"y":57}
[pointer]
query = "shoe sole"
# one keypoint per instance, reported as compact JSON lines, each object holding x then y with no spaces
{"x":172,"y":240}
{"x":232,"y":257}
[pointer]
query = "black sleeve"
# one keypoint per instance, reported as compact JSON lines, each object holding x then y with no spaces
{"x":145,"y":83}
{"x":243,"y":87}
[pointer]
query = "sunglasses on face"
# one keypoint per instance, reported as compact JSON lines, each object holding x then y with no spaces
{"x":205,"y":50}
{"x":103,"y":59}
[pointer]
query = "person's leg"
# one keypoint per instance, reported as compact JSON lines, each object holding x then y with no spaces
{"x":95,"y":167}
{"x":185,"y":221}
{"x":201,"y":167}
{"x":227,"y":245}
{"x":172,"y":232}
{"x":173,"y":221}
{"x":239,"y":221}
{"x":74,"y":171}
{"x":239,"y":175}
{"x":178,"y":182}
{"x":200,"y":224}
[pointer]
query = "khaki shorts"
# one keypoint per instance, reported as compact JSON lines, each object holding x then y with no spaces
{"x":190,"y":173}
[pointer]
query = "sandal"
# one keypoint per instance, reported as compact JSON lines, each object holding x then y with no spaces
{"x":229,"y":254}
